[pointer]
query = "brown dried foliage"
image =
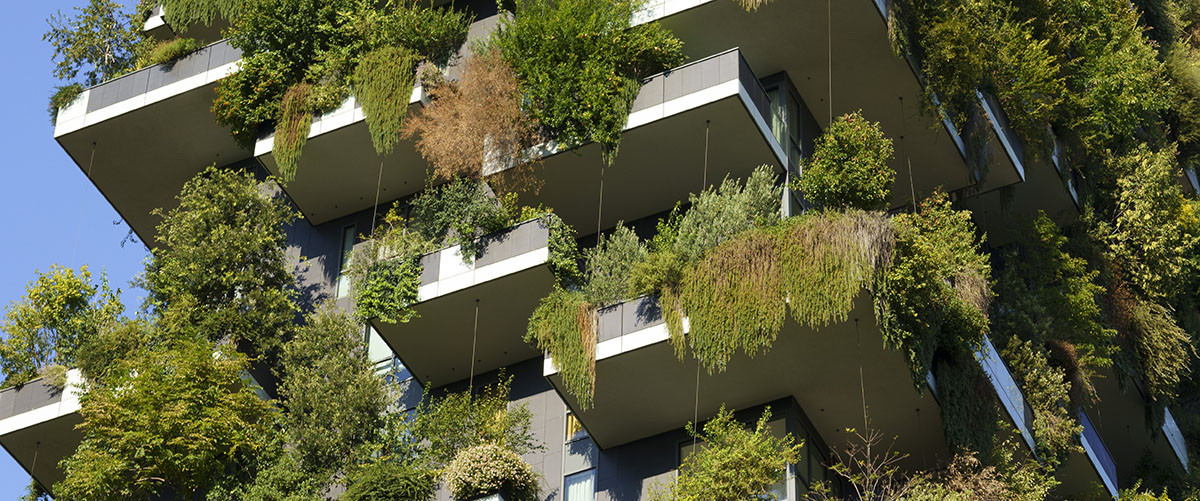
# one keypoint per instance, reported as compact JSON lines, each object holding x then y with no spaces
{"x":475,"y":125}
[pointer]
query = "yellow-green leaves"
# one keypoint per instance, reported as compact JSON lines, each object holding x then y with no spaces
{"x":61,"y":309}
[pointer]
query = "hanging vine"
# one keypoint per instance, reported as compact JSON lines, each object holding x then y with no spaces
{"x":383,"y":83}
{"x":295,"y":121}
{"x":182,"y":14}
{"x":564,"y":326}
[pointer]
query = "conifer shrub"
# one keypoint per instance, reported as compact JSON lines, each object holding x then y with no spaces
{"x":390,"y":481}
{"x":848,"y":168}
{"x":609,"y":265}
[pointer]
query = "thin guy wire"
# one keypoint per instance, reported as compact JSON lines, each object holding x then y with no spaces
{"x":378,"y":184}
{"x":696,"y":410}
{"x":79,"y":223}
{"x":705,"y":185}
{"x":600,"y":205}
{"x":474,"y":337}
{"x":907,"y":159}
{"x":862,"y":388}
{"x":829,"y":55}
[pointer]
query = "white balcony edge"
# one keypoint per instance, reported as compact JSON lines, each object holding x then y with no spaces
{"x":1009,"y":148}
{"x":69,"y":404}
{"x":455,"y":275}
{"x":624,"y":343}
{"x":349,"y":113}
{"x":1090,"y":449}
{"x":1006,"y":388}
{"x":1175,"y":438}
{"x":665,"y":8}
{"x":75,"y":116}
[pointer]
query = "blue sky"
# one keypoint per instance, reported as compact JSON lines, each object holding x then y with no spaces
{"x":55,"y":215}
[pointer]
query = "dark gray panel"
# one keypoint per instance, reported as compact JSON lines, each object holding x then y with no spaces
{"x":650,"y":95}
{"x":27,"y":397}
{"x":641,"y":313}
{"x":608,"y":323}
{"x":429,"y":267}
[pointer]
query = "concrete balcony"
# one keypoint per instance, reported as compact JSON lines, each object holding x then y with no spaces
{"x":505,"y":281}
{"x":662,"y":152}
{"x":140,"y":137}
{"x":157,"y":27}
{"x":339,"y":169}
{"x":1121,"y":420}
{"x":642,"y":389}
{"x":37,"y":426}
{"x":1081,"y":472}
{"x":795,"y":37}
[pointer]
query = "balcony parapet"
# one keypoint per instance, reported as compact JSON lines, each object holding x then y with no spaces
{"x":37,"y":425}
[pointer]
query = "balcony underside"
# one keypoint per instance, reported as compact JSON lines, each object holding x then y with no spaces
{"x":437,"y":345}
{"x":658,"y":163}
{"x":143,"y":157}
{"x":642,"y":389}
{"x":866,"y":74}
{"x":37,"y":426}
{"x":1120,"y":420}
{"x":339,"y":170}
{"x":1005,"y":214}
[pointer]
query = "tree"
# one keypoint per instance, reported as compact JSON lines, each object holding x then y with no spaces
{"x":181,"y":418}
{"x":734,"y":462}
{"x":100,"y":40}
{"x":61,"y":309}
{"x":220,"y":270}
{"x":849,"y":166}
{"x":335,"y":401}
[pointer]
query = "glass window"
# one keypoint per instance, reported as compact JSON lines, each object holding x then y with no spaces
{"x":575,"y":429}
{"x":580,"y":486}
{"x":343,"y":280}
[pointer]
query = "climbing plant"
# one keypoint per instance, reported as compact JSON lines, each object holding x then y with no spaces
{"x":580,"y":62}
{"x":295,"y":121}
{"x":183,"y":14}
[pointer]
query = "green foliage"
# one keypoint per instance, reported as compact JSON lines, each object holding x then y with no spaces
{"x":173,"y":419}
{"x":64,"y":95}
{"x":168,"y":51}
{"x":968,"y":405}
{"x":458,"y":212}
{"x":734,"y":462}
{"x":580,"y":64}
{"x":383,"y":83}
{"x":183,"y":14}
{"x":828,"y":259}
{"x":966,"y":479}
{"x":717,"y":215}
{"x":336,"y":402}
{"x":734,"y":299}
{"x":220,"y":270}
{"x":389,"y":290}
{"x":848,"y":168}
{"x":1045,"y":295}
{"x":387,"y":481}
{"x":1161,"y":351}
{"x":564,"y":250}
{"x":283,"y":479}
{"x":489,"y":468}
{"x":564,"y":326}
{"x":609,"y":265}
{"x":60,"y":310}
{"x":324,"y":44}
{"x":440,"y":427}
{"x":98,"y":354}
{"x":1155,"y":234}
{"x":291,"y":132}
{"x":35,"y":492}
{"x":936,"y":291}
{"x":251,"y":96}
{"x":1055,"y":427}
{"x":100,"y":41}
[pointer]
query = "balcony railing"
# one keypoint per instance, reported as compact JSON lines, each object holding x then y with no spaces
{"x":149,"y":85}
{"x":1007,"y":391}
{"x":1098,"y":453}
{"x":1175,"y":437}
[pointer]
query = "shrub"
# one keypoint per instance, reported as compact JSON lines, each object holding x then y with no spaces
{"x":475,"y":124}
{"x":183,"y":14}
{"x":721,"y":213}
{"x":291,"y":132}
{"x":250,"y":96}
{"x":735,"y":462}
{"x":390,"y":290}
{"x":580,"y":64}
{"x":489,"y":468}
{"x":936,"y":292}
{"x":169,"y":50}
{"x":848,"y":168}
{"x":609,"y":265}
{"x":388,"y":481}
{"x":64,"y":95}
{"x":1055,"y":427}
